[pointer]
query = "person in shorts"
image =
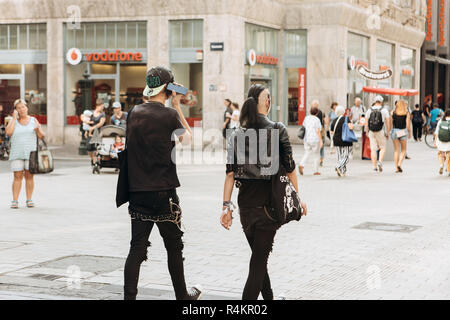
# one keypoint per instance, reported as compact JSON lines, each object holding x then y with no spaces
{"x":24,"y":132}
{"x":378,"y":125}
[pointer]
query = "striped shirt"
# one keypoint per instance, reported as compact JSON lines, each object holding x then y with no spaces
{"x":23,"y":140}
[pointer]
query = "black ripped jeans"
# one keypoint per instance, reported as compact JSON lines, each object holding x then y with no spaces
{"x":140,"y":233}
{"x":260,"y":232}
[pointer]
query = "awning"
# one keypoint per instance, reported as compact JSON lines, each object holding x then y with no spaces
{"x":391,"y":91}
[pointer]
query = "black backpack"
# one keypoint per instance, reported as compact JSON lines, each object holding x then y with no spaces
{"x":417,"y":117}
{"x":375,"y":120}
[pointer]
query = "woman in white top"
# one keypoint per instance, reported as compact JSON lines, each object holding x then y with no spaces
{"x":234,"y":121}
{"x":312,"y":141}
{"x":442,"y":146}
{"x":24,"y":131}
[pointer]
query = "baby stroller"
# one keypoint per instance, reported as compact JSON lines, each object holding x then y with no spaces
{"x":4,"y":144}
{"x":106,"y":156}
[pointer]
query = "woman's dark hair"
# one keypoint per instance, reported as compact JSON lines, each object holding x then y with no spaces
{"x":229,"y":102}
{"x":333,"y":104}
{"x":447,"y":113}
{"x":417,"y":106}
{"x":314,"y":111}
{"x":236,"y":105}
{"x":250,"y":107}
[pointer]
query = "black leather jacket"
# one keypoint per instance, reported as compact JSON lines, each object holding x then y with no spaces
{"x":254,"y":171}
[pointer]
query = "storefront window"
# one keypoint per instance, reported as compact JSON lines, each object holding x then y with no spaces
{"x":265,"y":42}
{"x":23,"y":36}
{"x":295,"y":76}
{"x":186,"y":34}
{"x":108,"y":35}
{"x":385,"y":58}
{"x":114,"y":58}
{"x":407,"y":63}
{"x":357,"y":49}
{"x":36,"y":90}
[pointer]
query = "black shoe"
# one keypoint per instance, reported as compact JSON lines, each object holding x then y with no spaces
{"x":195,"y":293}
{"x":407,"y":158}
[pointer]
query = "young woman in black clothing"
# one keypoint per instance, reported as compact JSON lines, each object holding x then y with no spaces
{"x":254,"y":195}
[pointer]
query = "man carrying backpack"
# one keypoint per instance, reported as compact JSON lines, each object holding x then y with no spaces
{"x":442,"y":141}
{"x":378,"y":126}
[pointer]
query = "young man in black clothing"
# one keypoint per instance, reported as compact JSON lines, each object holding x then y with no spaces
{"x":152,"y":178}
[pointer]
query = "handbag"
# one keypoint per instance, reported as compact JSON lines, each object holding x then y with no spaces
{"x":301,"y":132}
{"x":41,"y":160}
{"x":347,"y":134}
{"x":285,"y":204}
{"x":400,"y":133}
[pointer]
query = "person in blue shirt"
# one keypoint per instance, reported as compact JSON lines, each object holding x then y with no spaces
{"x":434,"y":114}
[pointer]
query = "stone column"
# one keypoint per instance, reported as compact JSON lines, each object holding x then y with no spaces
{"x":223,"y":71}
{"x":55,"y":82}
{"x":158,"y":41}
{"x":326,"y":66}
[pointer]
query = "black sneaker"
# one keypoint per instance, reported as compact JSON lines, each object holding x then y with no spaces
{"x":195,"y":293}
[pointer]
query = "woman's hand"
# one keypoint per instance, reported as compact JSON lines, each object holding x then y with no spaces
{"x":226,"y":219}
{"x":350,"y":126}
{"x":305,"y":209}
{"x":15,"y":114}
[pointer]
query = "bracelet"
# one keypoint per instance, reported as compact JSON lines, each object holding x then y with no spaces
{"x":229,"y":204}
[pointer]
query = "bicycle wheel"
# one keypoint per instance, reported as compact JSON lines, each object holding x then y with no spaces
{"x":429,"y":140}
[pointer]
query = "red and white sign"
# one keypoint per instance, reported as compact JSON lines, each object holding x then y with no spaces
{"x":74,"y":56}
{"x":301,"y":95}
{"x":251,"y":57}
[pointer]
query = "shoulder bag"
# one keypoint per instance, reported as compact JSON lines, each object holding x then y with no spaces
{"x":347,"y":134}
{"x":41,"y":160}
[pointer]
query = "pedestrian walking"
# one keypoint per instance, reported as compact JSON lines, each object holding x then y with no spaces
{"x":401,"y":131}
{"x":357,"y":111}
{"x":323,"y":123}
{"x":119,"y":117}
{"x":434,"y":115}
{"x":378,"y":125}
{"x":152,"y":182}
{"x":427,"y":112}
{"x":96,"y":121}
{"x":331,"y":116}
{"x":234,"y":120}
{"x":442,"y":141}
{"x":24,"y":131}
{"x":312,"y":141}
{"x":255,"y":194}
{"x":344,"y":148}
{"x":226,"y":117}
{"x":418,"y":120}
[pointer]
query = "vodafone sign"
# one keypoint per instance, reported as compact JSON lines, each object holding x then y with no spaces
{"x":74,"y":56}
{"x":254,"y":58}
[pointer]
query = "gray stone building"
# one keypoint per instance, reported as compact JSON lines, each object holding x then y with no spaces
{"x":302,"y":50}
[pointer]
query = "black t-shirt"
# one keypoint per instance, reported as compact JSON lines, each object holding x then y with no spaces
{"x":337,"y":129}
{"x":320,"y":116}
{"x":417,"y":116}
{"x":230,"y":111}
{"x":426,"y":110}
{"x":149,"y":143}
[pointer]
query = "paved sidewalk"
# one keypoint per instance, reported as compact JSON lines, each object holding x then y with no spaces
{"x":74,"y":243}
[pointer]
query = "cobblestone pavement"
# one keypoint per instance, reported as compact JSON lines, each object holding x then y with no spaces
{"x":74,"y":243}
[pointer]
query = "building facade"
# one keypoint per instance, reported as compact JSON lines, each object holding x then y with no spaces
{"x":301,"y":50}
{"x":435,"y":61}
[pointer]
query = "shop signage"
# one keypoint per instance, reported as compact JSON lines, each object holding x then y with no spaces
{"x":301,"y":95}
{"x":407,"y":72}
{"x":352,"y":63}
{"x":74,"y":56}
{"x":216,"y":46}
{"x":374,"y":75}
{"x":253,"y":58}
{"x":429,"y":17}
{"x":442,"y":24}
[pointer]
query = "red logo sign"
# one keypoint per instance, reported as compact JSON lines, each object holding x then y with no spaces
{"x":74,"y":56}
{"x":301,"y":95}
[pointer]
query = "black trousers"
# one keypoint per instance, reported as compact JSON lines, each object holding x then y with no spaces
{"x":417,"y":130}
{"x":171,"y":235}
{"x":260,"y":232}
{"x":154,"y":203}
